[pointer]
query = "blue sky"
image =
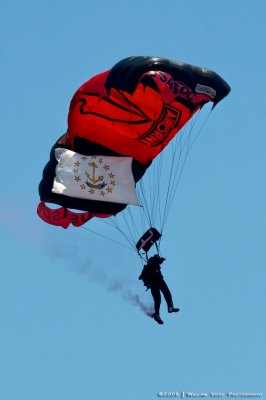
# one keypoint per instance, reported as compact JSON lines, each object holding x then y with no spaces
{"x":69,"y":329}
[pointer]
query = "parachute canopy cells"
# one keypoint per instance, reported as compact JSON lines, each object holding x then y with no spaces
{"x":137,"y":107}
{"x":132,"y":110}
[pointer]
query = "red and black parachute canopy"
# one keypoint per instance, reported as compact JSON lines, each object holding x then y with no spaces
{"x":134,"y":109}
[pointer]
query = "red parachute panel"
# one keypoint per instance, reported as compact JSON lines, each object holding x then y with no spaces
{"x":64,"y":217}
{"x":140,"y":124}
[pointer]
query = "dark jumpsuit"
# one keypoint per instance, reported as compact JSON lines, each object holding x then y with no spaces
{"x":153,"y":279}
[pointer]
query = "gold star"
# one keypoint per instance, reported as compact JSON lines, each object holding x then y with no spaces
{"x":100,"y":161}
{"x":91,"y":191}
{"x":111,"y":175}
{"x":75,"y":171}
{"x":112,"y":183}
{"x":82,"y":186}
{"x":77,"y":163}
{"x":102,"y":193}
{"x":77,"y":178}
{"x":106,"y":167}
{"x":109,"y":189}
{"x":84,"y":157}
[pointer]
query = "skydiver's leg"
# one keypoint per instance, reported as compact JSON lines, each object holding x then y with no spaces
{"x":155,"y":291}
{"x":168,"y":297}
{"x":166,"y":293}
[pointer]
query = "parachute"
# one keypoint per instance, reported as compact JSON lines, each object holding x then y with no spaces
{"x":119,"y":121}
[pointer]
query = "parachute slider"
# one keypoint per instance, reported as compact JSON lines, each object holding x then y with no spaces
{"x":150,"y":237}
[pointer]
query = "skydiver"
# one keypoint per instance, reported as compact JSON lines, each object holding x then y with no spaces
{"x":153,"y":279}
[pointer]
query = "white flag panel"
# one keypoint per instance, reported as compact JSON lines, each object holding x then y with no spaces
{"x":97,"y":177}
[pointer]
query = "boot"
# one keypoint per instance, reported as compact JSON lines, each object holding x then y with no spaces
{"x":158,"y":318}
{"x":173,"y":309}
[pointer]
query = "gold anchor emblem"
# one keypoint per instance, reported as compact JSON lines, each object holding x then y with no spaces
{"x":92,"y":178}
